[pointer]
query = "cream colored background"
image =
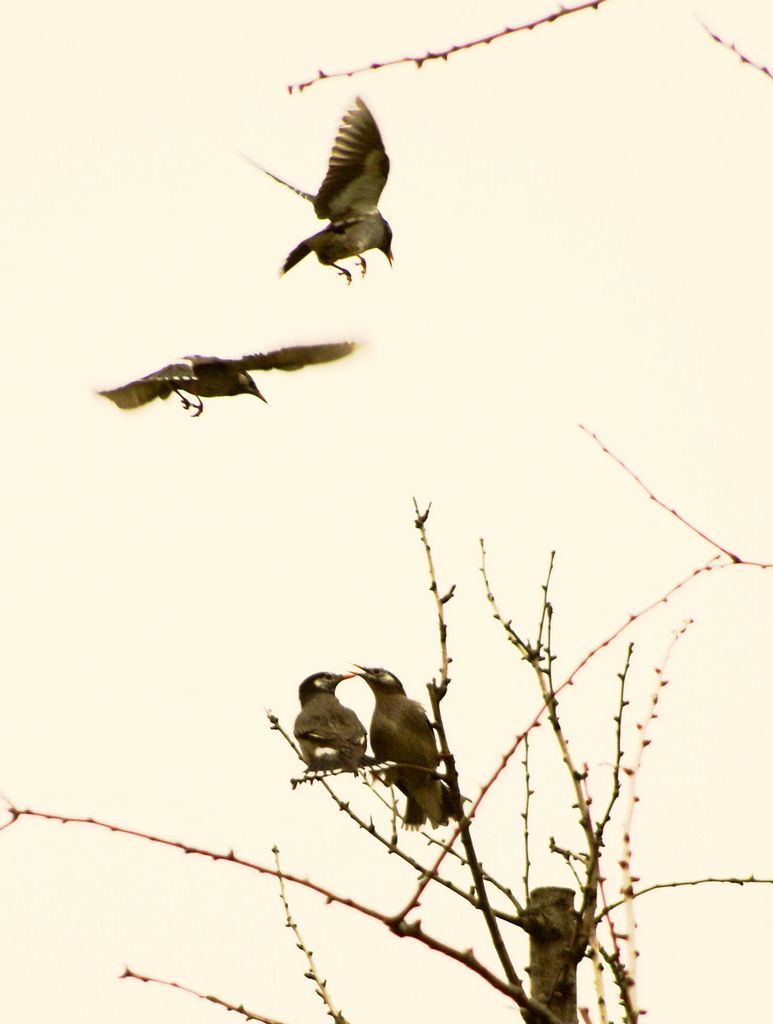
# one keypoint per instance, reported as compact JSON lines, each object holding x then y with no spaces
{"x":583,"y":232}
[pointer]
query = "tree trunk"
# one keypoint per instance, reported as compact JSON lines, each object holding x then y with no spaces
{"x":552,"y":927}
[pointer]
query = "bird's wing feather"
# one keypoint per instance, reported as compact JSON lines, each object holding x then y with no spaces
{"x":297,"y":191}
{"x":158,"y":384}
{"x":358,"y":168}
{"x":333,"y":724}
{"x":297,"y":356}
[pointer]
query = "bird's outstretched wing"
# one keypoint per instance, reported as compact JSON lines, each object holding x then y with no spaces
{"x":296,"y":356}
{"x":358,"y":168}
{"x":254,"y":163}
{"x":159,"y":384}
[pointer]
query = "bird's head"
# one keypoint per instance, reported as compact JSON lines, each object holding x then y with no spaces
{"x":320,"y":682}
{"x":248,"y":385}
{"x":386,"y":243}
{"x":379,"y":680}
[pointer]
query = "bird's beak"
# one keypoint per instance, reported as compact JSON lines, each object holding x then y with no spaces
{"x":348,"y":675}
{"x":260,"y":396}
{"x":360,"y":668}
{"x":390,"y":257}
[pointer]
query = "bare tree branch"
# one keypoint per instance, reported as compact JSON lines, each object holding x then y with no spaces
{"x":320,"y":987}
{"x":749,"y":880}
{"x":392,"y":844}
{"x":445,"y":54}
{"x":525,"y":815}
{"x":436,"y":693}
{"x":630,"y":994}
{"x":734,"y":49}
{"x":711,"y":565}
{"x":672,"y":511}
{"x":247,"y":1014}
{"x":396,"y":924}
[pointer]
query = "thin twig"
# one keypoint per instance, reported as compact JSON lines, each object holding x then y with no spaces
{"x":320,"y":987}
{"x":629,"y":995}
{"x":440,"y":601}
{"x":436,"y":693}
{"x":598,"y":979}
{"x":712,"y":564}
{"x":525,"y":816}
{"x":445,"y":54}
{"x":616,"y":768}
{"x":232,"y":1007}
{"x":734,"y":49}
{"x":749,"y":880}
{"x":672,"y":511}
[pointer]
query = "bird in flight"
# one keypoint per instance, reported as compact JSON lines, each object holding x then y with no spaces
{"x":210,"y":377}
{"x":401,"y":731}
{"x":348,"y":197}
{"x":330,"y":735}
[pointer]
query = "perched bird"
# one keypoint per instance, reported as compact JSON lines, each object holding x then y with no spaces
{"x":210,"y":376}
{"x":348,"y":197}
{"x":329,"y":734}
{"x":400,"y":731}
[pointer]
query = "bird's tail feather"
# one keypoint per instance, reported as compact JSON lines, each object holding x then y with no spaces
{"x":425,"y":802}
{"x":295,"y":257}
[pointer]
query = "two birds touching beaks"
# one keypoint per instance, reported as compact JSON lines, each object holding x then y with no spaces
{"x":332,"y":737}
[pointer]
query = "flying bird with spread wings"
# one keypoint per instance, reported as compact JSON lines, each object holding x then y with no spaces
{"x":348,"y":197}
{"x":211,"y":377}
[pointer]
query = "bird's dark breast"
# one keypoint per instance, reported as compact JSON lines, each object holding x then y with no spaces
{"x":401,"y":732}
{"x":348,"y":238}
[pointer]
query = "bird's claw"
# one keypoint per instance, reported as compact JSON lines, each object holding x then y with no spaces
{"x":197,"y":406}
{"x":363,"y":265}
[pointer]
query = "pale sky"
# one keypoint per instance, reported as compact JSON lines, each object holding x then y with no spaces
{"x":582,"y":228}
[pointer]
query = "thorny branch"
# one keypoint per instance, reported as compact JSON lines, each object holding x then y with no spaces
{"x":396,"y":924}
{"x":525,"y":815}
{"x":562,"y":12}
{"x":247,"y":1014}
{"x":629,"y":993}
{"x":749,"y":880}
{"x":616,"y":768}
{"x":392,"y":846}
{"x":436,"y":693}
{"x":540,"y":659}
{"x":734,"y":49}
{"x":312,"y":974}
{"x":672,"y":511}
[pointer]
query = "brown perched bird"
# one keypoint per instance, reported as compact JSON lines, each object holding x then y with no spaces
{"x":210,"y":376}
{"x":400,"y":731}
{"x":329,"y":734}
{"x":348,"y":197}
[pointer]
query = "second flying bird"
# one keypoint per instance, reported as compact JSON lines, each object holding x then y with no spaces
{"x":348,"y":196}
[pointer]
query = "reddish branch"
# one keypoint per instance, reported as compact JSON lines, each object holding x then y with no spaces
{"x":672,"y":511}
{"x":396,"y":924}
{"x":734,"y":49}
{"x":562,"y":12}
{"x":663,"y":599}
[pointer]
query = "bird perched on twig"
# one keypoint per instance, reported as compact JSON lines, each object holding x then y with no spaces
{"x":330,"y":735}
{"x":210,"y":376}
{"x":348,"y":197}
{"x":401,"y":731}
